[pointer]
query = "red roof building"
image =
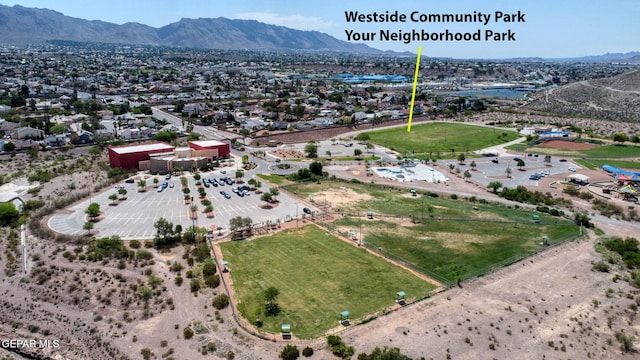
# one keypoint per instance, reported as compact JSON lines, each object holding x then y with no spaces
{"x":129,"y":156}
{"x":221,"y":148}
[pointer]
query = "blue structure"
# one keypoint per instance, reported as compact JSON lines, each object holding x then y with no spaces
{"x":555,"y":134}
{"x":615,"y":171}
{"x":351,"y":79}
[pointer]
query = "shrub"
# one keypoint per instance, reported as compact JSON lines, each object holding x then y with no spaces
{"x":195,"y":285}
{"x":146,"y":353}
{"x":290,"y":352}
{"x":221,"y":301}
{"x":334,"y":340}
{"x":626,"y":342}
{"x":209,"y":269}
{"x":187,"y":333}
{"x":307,"y":352}
{"x":600,"y":266}
{"x":144,"y":255}
{"x":212,"y":281}
{"x":135,"y":244}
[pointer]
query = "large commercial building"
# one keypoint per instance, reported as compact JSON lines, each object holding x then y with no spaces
{"x":216,"y":148}
{"x":129,"y":156}
{"x":163,"y":157}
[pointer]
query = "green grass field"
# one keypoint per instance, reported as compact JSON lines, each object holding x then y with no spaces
{"x":274,"y":179}
{"x":603,"y":152}
{"x":448,"y":139}
{"x":317,"y":275}
{"x":595,"y":164}
{"x":620,"y":156}
{"x":464,"y":243}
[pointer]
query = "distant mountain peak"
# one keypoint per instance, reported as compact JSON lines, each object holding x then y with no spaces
{"x":21,"y":26}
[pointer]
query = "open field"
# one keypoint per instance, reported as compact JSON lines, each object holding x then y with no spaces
{"x":445,"y":239}
{"x":595,"y":164}
{"x":318,"y":276}
{"x":591,"y":157}
{"x":606,"y":151}
{"x":440,"y":137}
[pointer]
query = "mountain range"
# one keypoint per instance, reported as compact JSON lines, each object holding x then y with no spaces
{"x":22,"y":26}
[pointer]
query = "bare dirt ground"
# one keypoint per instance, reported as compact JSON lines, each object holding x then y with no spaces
{"x":568,"y":145}
{"x":550,"y":306}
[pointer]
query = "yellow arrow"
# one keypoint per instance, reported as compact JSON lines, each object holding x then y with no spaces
{"x":413,"y":91}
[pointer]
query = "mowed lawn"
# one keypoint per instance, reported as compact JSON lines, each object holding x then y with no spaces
{"x":440,"y":137}
{"x":317,"y":275}
{"x":621,"y":156}
{"x":442,"y":238}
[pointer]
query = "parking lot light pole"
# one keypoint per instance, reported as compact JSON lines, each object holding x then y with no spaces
{"x":296,"y":214}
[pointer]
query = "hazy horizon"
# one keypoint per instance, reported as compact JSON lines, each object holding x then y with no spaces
{"x":551,"y":29}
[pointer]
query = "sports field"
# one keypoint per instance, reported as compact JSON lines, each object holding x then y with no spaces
{"x":318,"y":276}
{"x":442,"y":238}
{"x":446,"y":139}
{"x":618,"y":155}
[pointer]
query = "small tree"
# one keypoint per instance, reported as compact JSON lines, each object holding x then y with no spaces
{"x":274,"y":192}
{"x":582,"y":219}
{"x":620,"y":137}
{"x":88,"y":226}
{"x":495,"y":185}
{"x":113,"y":197}
{"x":311,"y":149}
{"x":164,"y":233}
{"x":270,"y":295}
{"x":357,"y":152}
{"x":473,"y":165}
{"x":467,"y":174}
{"x":508,"y":172}
{"x":142,"y":185}
{"x":93,"y":210}
{"x":122,"y":193}
{"x":461,"y":158}
{"x":316,"y":168}
{"x":155,"y":182}
{"x":266,"y":197}
{"x":369,"y":147}
{"x":521,"y":164}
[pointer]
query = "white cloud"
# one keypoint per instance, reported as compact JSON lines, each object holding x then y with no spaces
{"x":299,"y":22}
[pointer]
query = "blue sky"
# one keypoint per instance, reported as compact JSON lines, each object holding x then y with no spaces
{"x":553,"y":28}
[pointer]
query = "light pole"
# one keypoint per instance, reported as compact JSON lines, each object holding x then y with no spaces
{"x":296,"y":214}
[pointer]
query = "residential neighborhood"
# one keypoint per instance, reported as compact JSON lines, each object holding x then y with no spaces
{"x":102,"y":95}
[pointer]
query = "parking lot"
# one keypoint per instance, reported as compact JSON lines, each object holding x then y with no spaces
{"x":487,"y":171}
{"x":134,"y":217}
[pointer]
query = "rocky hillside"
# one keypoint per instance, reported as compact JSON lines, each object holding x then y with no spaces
{"x":615,"y":98}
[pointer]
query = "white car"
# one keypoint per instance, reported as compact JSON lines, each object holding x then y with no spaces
{"x":572,"y":168}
